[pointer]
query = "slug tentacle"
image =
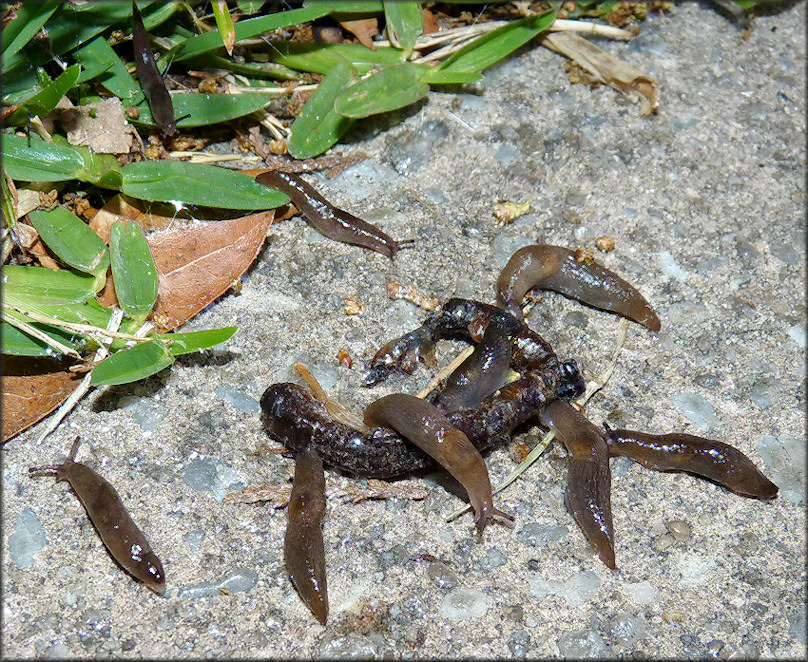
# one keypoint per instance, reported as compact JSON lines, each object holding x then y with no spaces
{"x":590,"y":480}
{"x":556,"y":268}
{"x":303,"y":549}
{"x":328,"y":220}
{"x":717,"y":461}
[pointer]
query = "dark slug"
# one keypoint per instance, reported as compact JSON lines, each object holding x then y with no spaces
{"x":590,"y":479}
{"x":556,"y":268}
{"x":151,"y":80}
{"x":124,"y":540}
{"x":303,"y":549}
{"x":329,"y":220}
{"x":719,"y":462}
{"x":425,"y":426}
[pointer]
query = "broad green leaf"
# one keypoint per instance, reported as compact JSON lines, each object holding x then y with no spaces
{"x":26,"y":286}
{"x":131,"y":364}
{"x":31,"y":16}
{"x":319,"y":126}
{"x":252,"y":27}
{"x":388,"y":89}
{"x":133,"y":270}
{"x":249,"y":6}
{"x":101,"y":169}
{"x":90,"y":312}
{"x":194,"y":341}
{"x":206,"y":109}
{"x":41,"y":162}
{"x":321,"y":58}
{"x":435,"y":76}
{"x":495,"y":46}
{"x":45,"y":101}
{"x":347,"y":6}
{"x":115,"y":77}
{"x":197,"y":184}
{"x":72,"y":240}
{"x":9,"y":205}
{"x":405,"y":23}
{"x":225,"y":24}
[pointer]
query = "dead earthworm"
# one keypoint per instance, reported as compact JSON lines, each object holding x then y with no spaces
{"x":425,"y":426}
{"x":717,"y":461}
{"x":590,"y":479}
{"x":303,"y":550}
{"x":328,"y":220}
{"x":124,"y":540}
{"x":556,"y":268}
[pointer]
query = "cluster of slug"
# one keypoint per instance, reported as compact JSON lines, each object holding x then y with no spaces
{"x":476,"y":409}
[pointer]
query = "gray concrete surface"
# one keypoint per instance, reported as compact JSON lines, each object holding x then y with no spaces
{"x":706,"y":203}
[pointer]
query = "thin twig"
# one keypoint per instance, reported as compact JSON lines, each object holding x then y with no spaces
{"x":39,"y":335}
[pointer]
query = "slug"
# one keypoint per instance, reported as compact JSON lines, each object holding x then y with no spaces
{"x":303,"y":549}
{"x":719,"y":462}
{"x":154,"y":87}
{"x":555,"y":268}
{"x":425,"y":426}
{"x":124,"y":540}
{"x":590,"y":478}
{"x":329,"y":220}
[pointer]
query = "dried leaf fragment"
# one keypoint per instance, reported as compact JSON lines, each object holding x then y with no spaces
{"x":353,"y":306}
{"x":508,"y":212}
{"x":411,"y":293}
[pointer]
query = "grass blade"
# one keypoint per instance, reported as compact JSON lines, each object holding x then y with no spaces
{"x":133,"y":270}
{"x":321,"y":58}
{"x":72,"y":240}
{"x":388,"y":89}
{"x":131,"y":364}
{"x":206,"y":109}
{"x":31,"y":16}
{"x":39,"y":162}
{"x":115,"y":77}
{"x":195,"y":341}
{"x":225,"y":24}
{"x":405,"y":23}
{"x":27,"y":286}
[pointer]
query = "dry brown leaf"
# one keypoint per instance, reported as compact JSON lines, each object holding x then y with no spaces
{"x":409,"y":292}
{"x":198,"y":263}
{"x":364,"y":30}
{"x":607,"y":68}
{"x":430,"y":23}
{"x":32,"y":389}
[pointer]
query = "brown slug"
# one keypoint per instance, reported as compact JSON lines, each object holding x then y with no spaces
{"x":425,"y":426}
{"x":556,"y":268}
{"x":303,"y":549}
{"x":328,"y":220}
{"x":124,"y":540}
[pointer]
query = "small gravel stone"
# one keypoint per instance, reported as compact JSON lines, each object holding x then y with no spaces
{"x":238,"y":399}
{"x":507,"y":154}
{"x":463,"y":604}
{"x":661,"y":543}
{"x":697,"y":410}
{"x":27,"y":538}
{"x":642,"y":593}
{"x":494,"y":558}
{"x":208,"y":475}
{"x":670,"y":267}
{"x":519,"y":643}
{"x":784,"y":459}
{"x":627,"y":629}
{"x":766,"y":392}
{"x":696,"y":569}
{"x":442,"y":575}
{"x":353,"y":646}
{"x":148,"y":413}
{"x":538,"y":535}
{"x":506,"y":244}
{"x":583,"y":644}
{"x":679,"y":529}
{"x":578,"y":590}
{"x":238,"y":581}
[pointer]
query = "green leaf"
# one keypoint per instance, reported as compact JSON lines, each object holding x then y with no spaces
{"x":101,"y":169}
{"x":435,"y":76}
{"x":347,"y":6}
{"x":319,"y":126}
{"x":90,"y":312}
{"x":41,"y":162}
{"x":133,"y":270}
{"x":405,"y":23}
{"x":194,"y":341}
{"x":19,"y":343}
{"x":321,"y":58}
{"x":9,"y":208}
{"x":197,"y":184}
{"x":495,"y":46}
{"x":24,"y":286}
{"x":131,"y":364}
{"x":206,"y":109}
{"x":31,"y":16}
{"x":388,"y":89}
{"x":45,"y":101}
{"x":225,"y":24}
{"x":252,"y":27}
{"x":114,"y":76}
{"x":73,"y":241}
{"x":271,"y":70}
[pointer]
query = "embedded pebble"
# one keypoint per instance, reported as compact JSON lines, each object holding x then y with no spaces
{"x":471,"y":101}
{"x":148,"y":413}
{"x":583,"y":644}
{"x":697,"y":410}
{"x":578,"y":590}
{"x":784,"y":459}
{"x":362,"y":179}
{"x":696,"y":569}
{"x":538,"y":535}
{"x":435,"y":195}
{"x":240,"y":580}
{"x":442,"y":575}
{"x":670,"y":267}
{"x":352,"y":646}
{"x":797,"y":626}
{"x":797,"y":334}
{"x":642,"y":593}
{"x":401,"y":315}
{"x":194,"y":539}
{"x":506,"y":244}
{"x":662,"y":543}
{"x":679,"y":529}
{"x":507,"y":154}
{"x":413,"y":148}
{"x":627,"y":628}
{"x":766,"y":391}
{"x":208,"y":475}
{"x":27,"y":538}
{"x":463,"y":604}
{"x":237,"y":399}
{"x":494,"y":558}
{"x":686,"y":312}
{"x":519,"y":643}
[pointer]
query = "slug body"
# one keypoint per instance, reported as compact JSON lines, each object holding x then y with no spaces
{"x":590,"y":480}
{"x":425,"y":426}
{"x":303,"y":548}
{"x":124,"y":540}
{"x":719,"y":462}
{"x":327,"y":219}
{"x":154,"y":87}
{"x":556,"y":268}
